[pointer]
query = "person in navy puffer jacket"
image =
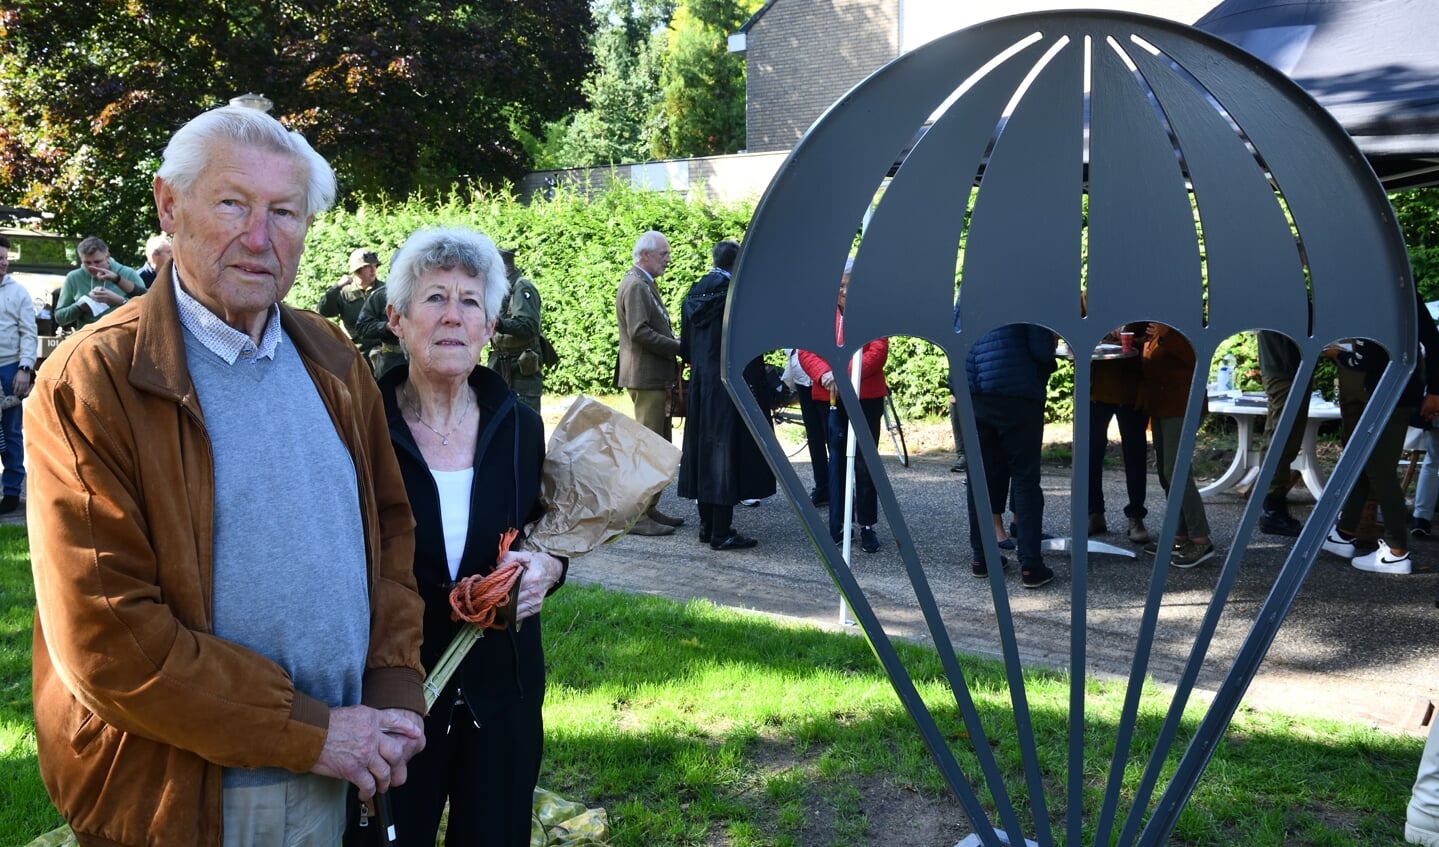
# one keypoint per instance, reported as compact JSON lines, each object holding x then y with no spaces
{"x":1008,"y":372}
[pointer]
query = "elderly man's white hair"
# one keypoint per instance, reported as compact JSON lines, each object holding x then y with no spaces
{"x":647,"y":243}
{"x":444,"y":249}
{"x":189,"y":150}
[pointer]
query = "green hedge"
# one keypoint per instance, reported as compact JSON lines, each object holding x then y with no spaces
{"x":576,"y":249}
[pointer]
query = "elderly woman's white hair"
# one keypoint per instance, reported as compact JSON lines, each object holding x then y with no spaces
{"x":443,"y":249}
{"x":189,"y":151}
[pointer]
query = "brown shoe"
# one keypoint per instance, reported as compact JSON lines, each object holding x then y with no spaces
{"x":1097,"y":525}
{"x":1137,"y":533}
{"x":645,"y":526}
{"x":659,"y":517}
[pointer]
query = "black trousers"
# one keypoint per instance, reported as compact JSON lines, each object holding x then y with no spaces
{"x":487,"y":772}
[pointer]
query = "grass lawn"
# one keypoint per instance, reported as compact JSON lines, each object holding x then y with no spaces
{"x":696,"y":725}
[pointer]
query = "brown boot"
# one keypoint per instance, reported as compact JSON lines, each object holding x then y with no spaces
{"x":659,"y":517}
{"x":645,"y":526}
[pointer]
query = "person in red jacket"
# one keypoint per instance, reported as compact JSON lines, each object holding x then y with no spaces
{"x":872,"y":391}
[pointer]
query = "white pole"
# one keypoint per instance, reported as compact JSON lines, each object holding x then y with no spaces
{"x":847,"y":548}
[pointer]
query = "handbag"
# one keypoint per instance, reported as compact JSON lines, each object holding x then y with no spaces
{"x":677,"y":392}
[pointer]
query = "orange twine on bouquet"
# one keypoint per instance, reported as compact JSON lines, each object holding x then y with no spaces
{"x":489,"y":601}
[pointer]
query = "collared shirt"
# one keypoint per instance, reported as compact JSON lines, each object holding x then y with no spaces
{"x":219,"y":337}
{"x":17,"y":323}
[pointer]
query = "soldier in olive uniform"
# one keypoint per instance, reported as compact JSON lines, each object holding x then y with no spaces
{"x":346,"y":298}
{"x":372,"y":327}
{"x":517,"y":350}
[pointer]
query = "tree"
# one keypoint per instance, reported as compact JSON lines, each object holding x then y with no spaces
{"x":622,"y":93}
{"x":399,"y":96}
{"x":703,"y":83}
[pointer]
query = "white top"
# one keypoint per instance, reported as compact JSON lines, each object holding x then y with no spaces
{"x":454,"y":488}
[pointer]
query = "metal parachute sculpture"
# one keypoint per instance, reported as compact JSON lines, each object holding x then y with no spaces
{"x":1163,"y":175}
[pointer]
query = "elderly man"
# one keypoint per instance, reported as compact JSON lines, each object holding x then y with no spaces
{"x":346,"y":298}
{"x":97,"y":286}
{"x":648,"y":354}
{"x":227,"y":627}
{"x":157,"y":253}
{"x":17,"y":373}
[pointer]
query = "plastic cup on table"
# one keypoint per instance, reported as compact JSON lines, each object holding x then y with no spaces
{"x":1126,"y":342}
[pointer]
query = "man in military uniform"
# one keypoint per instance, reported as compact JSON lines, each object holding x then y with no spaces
{"x":517,"y":351}
{"x":372,"y":327}
{"x":346,"y":298}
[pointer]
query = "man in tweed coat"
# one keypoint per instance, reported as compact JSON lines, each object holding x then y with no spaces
{"x":648,"y":354}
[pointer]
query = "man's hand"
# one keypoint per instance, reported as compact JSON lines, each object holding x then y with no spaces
{"x":106,"y":296}
{"x":21,"y":384}
{"x":1428,"y":410}
{"x":369,"y":748}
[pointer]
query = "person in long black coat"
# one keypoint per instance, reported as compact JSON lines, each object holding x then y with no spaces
{"x":721,"y":463}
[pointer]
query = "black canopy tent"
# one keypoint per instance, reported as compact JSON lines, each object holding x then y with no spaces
{"x":1374,"y":64}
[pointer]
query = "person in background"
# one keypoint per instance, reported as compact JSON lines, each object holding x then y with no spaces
{"x":960,"y":464}
{"x":721,"y":463}
{"x":812,"y":413}
{"x":1279,"y":363}
{"x":157,"y":253}
{"x":225,"y":607}
{"x":1420,"y":394}
{"x":516,"y":350}
{"x":648,"y":355}
{"x":346,"y":298}
{"x":97,"y":286}
{"x":17,"y":376}
{"x":1421,"y":819}
{"x":1008,"y":372}
{"x":1426,"y":490}
{"x":470,"y":455}
{"x":372,"y":328}
{"x":1114,"y":395}
{"x":1168,"y":368}
{"x":872,"y":391}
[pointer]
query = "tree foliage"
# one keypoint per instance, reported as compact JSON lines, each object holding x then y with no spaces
{"x":621,"y":92}
{"x":703,"y":97}
{"x":397,"y":95}
{"x":664,"y":86}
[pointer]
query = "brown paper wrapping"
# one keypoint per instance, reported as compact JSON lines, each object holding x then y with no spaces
{"x":601,"y":469}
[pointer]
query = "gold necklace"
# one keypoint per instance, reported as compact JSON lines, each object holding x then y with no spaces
{"x":444,"y":436}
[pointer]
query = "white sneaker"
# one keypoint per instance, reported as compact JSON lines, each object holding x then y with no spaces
{"x":1383,"y":560}
{"x":1338,"y":545}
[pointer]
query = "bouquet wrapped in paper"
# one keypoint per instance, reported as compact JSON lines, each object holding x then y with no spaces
{"x":601,"y":469}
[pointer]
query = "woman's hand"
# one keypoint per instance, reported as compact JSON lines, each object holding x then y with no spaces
{"x":826,"y":380}
{"x":542,"y":571}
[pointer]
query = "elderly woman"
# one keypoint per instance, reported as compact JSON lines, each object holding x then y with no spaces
{"x":470,"y":455}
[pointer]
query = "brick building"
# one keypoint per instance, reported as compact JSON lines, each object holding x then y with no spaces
{"x":802,"y":55}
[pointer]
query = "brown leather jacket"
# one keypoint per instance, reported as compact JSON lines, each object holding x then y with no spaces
{"x":137,"y":705}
